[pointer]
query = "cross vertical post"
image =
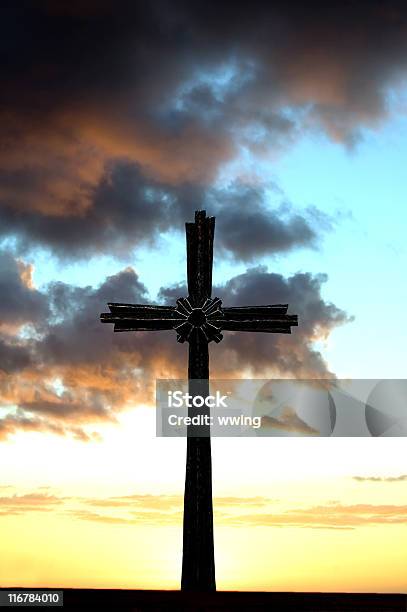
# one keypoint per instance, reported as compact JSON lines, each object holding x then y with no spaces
{"x":198,"y":560}
{"x":199,"y":319}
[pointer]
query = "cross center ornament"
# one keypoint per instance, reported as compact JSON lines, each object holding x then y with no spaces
{"x":199,"y":319}
{"x":203,"y":320}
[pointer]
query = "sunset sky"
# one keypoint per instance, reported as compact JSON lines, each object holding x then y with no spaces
{"x":119,"y":120}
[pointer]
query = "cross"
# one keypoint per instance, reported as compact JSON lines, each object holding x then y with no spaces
{"x":199,"y":319}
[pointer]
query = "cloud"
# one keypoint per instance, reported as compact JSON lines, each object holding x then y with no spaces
{"x":126,"y":509}
{"x":205,"y":66}
{"x":78,"y":372}
{"x":233,"y":511}
{"x":145,"y":517}
{"x":151,"y":502}
{"x":108,"y":115}
{"x":125,"y":208}
{"x":20,"y":303}
{"x":248,"y":230}
{"x":87,"y":515}
{"x":68,"y":372}
{"x":260,"y":353}
{"x":233,"y":501}
{"x":330,"y":516}
{"x":14,"y":423}
{"x":13,"y":357}
{"x":400,"y":478}
{"x":29,"y":502}
{"x":170,"y":502}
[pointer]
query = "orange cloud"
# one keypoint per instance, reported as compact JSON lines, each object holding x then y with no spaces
{"x":331,"y":516}
{"x":233,"y":511}
{"x":400,"y":478}
{"x":71,"y":372}
{"x":29,"y":502}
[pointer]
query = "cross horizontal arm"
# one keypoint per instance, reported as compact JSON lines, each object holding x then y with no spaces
{"x":141,"y":317}
{"x":251,"y":313}
{"x":271,"y":319}
{"x":272,"y":327}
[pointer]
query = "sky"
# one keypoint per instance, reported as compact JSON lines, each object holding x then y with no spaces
{"x":288,"y":123}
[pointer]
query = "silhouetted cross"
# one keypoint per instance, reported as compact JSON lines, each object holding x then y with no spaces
{"x":199,"y":319}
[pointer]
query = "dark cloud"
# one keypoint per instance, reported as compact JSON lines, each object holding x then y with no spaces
{"x":248,"y":226}
{"x":105,"y":111}
{"x":75,"y":335}
{"x":290,"y":354}
{"x":136,"y":58}
{"x":124,"y":208}
{"x":13,"y":358}
{"x":71,"y":371}
{"x":79,"y":372}
{"x":19,"y":303}
{"x":127,"y":208}
{"x":250,"y":231}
